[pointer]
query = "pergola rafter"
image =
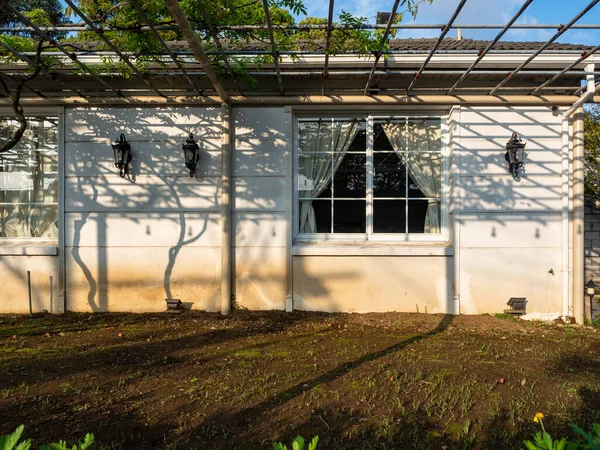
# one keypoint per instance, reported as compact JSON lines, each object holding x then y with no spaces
{"x":159,"y":38}
{"x":196,"y":46}
{"x":437,"y":44}
{"x":31,"y":63}
{"x":113,"y":47}
{"x":213,"y":34}
{"x":575,"y":63}
{"x":59,"y":46}
{"x":490,"y":45}
{"x":327,"y":44}
{"x":273,"y":46}
{"x":384,"y":39}
{"x":562,"y":29}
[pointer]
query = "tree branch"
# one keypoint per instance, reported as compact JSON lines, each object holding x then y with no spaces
{"x":16,"y":101}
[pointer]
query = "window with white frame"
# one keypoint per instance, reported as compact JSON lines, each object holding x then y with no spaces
{"x":29,"y":180}
{"x":369,"y":178}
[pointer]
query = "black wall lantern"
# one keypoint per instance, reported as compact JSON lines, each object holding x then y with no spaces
{"x":122,"y":153}
{"x":514,"y":155}
{"x":190,"y":151}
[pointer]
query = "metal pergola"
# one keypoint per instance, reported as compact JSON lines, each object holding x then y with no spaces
{"x":542,"y":72}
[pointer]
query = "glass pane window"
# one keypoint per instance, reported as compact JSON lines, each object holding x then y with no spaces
{"x":332,"y":172}
{"x":29,"y":181}
{"x":376,"y":177}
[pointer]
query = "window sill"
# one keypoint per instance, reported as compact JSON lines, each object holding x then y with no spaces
{"x":370,"y":249}
{"x":24,"y":248}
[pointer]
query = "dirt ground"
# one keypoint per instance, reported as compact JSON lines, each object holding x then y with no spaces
{"x":205,"y":381}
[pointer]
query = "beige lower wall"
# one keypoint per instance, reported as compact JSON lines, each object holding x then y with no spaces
{"x":14,"y":297}
{"x":490,"y":277}
{"x":373,"y":283}
{"x":140,"y":279}
{"x":260,"y":274}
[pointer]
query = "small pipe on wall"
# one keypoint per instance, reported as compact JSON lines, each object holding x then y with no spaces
{"x":226,"y":260}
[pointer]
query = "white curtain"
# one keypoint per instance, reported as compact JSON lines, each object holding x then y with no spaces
{"x":424,"y":163}
{"x":317,"y":169}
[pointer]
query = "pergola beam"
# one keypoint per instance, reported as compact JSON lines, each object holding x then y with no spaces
{"x":345,"y":73}
{"x":562,"y":29}
{"x":437,"y":44}
{"x":312,"y":100}
{"x":295,"y":27}
{"x":114,"y":48}
{"x":196,"y":46}
{"x":273,"y":46}
{"x":491,"y":44}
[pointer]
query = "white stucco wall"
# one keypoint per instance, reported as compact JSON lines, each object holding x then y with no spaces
{"x":132,"y":243}
{"x":510,"y":231}
{"x":260,"y":180}
{"x":129,"y":244}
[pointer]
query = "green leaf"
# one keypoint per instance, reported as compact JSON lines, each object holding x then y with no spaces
{"x":298,"y":443}
{"x":9,"y":442}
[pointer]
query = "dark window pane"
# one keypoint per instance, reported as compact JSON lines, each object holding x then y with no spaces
{"x":390,"y":175}
{"x":389,"y":216}
{"x":349,"y":216}
{"x":350,"y":178}
{"x":423,"y":216}
{"x":380,"y":139}
{"x":359,"y":144}
{"x":315,"y":216}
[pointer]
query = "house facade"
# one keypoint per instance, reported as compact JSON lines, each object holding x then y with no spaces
{"x":321,"y":203}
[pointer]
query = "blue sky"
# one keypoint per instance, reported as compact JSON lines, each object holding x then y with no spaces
{"x":480,"y":11}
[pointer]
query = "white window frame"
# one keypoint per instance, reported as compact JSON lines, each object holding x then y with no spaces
{"x":31,"y":246}
{"x":369,"y":237}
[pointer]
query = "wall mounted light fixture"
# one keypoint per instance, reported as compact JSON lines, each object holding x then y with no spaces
{"x":122,"y":154}
{"x":190,"y":152}
{"x":514,"y":155}
{"x":590,"y":290}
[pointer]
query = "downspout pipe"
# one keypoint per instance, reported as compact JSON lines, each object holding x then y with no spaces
{"x":456,"y":205}
{"x":226,"y":259}
{"x":565,"y":217}
{"x":578,"y":216}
